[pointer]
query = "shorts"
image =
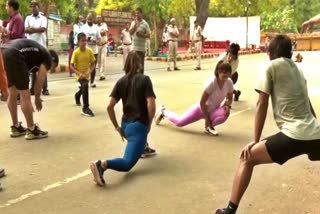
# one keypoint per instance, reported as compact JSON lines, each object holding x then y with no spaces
{"x":16,"y":69}
{"x":281,"y":148}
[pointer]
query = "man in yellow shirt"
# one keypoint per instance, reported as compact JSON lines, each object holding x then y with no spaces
{"x":82,"y":64}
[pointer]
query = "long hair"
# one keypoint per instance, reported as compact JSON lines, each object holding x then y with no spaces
{"x":133,"y":64}
{"x":224,"y":67}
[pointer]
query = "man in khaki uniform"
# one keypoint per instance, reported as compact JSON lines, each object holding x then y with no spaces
{"x":173,"y":34}
{"x":103,"y":29}
{"x":197,"y":41}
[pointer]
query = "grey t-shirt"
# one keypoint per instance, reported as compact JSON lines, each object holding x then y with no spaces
{"x":287,"y":86}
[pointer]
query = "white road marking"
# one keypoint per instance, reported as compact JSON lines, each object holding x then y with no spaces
{"x":69,"y":180}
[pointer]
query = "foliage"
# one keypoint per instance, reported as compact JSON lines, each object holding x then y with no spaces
{"x":282,"y":20}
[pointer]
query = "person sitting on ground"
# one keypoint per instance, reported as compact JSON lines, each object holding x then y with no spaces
{"x":22,"y":57}
{"x":82,"y":64}
{"x":294,"y":115}
{"x":214,"y":105}
{"x":138,"y":100}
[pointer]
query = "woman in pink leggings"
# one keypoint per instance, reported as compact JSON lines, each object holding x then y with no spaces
{"x":214,"y":105}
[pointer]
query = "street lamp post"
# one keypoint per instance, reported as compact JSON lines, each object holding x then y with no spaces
{"x":247,"y":24}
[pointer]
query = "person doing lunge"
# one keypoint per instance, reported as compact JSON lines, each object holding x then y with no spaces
{"x":214,"y":105}
{"x":138,"y":100}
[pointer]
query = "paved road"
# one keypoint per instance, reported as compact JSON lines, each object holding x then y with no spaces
{"x":192,"y":173}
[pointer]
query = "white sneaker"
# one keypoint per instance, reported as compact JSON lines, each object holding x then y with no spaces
{"x":159,"y":115}
{"x":211,"y":131}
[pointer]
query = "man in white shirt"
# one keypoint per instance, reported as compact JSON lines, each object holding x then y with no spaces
{"x":77,"y":30}
{"x":173,"y":34}
{"x":197,"y":41}
{"x":126,"y":42}
{"x":35,"y":28}
{"x":93,"y":36}
{"x":103,"y":29}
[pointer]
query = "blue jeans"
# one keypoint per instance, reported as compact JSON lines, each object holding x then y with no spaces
{"x":136,"y":134}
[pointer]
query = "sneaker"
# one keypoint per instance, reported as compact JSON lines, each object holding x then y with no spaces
{"x":37,"y":133}
{"x":211,"y":131}
{"x":78,"y":103}
{"x":237,"y":95}
{"x":102,"y":78}
{"x":46,"y":93}
{"x":168,"y":69}
{"x":159,"y":116}
{"x":87,"y":112}
{"x":93,"y":85}
{"x":148,"y":151}
{"x":176,"y":69}
{"x":97,"y":172}
{"x":197,"y":69}
{"x":17,"y":131}
{"x":2,"y":172}
{"x":221,"y":211}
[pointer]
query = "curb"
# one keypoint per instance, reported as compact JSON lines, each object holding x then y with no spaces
{"x":183,"y":57}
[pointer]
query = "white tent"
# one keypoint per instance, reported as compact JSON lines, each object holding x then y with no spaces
{"x":232,"y":29}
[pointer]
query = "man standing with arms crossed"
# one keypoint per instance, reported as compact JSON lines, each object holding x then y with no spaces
{"x":197,"y":41}
{"x":36,"y":27}
{"x":173,"y":34}
{"x":140,"y":31}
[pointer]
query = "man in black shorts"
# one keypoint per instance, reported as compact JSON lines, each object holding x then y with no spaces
{"x":22,"y":57}
{"x":293,"y":113}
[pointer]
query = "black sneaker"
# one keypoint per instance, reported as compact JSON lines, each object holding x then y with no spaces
{"x":224,"y":211}
{"x":176,"y":69}
{"x":97,"y":172}
{"x":197,"y":69}
{"x":148,"y":151}
{"x":93,"y":85}
{"x":2,"y":172}
{"x":102,"y":78}
{"x":237,"y":95}
{"x":46,"y":93}
{"x":37,"y":133}
{"x":78,"y":103}
{"x":17,"y":131}
{"x":87,"y":112}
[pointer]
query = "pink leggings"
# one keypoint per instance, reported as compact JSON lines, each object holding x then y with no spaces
{"x":217,"y":116}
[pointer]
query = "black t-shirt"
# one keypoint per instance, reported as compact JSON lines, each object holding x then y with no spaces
{"x":31,"y":52}
{"x":134,"y":93}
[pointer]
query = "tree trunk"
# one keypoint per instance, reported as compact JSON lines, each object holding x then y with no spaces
{"x":202,"y":11}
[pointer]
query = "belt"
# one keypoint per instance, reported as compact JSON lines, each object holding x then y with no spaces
{"x":127,"y":44}
{"x":170,"y":40}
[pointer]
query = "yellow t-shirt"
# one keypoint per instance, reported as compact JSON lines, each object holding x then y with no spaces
{"x":82,"y":61}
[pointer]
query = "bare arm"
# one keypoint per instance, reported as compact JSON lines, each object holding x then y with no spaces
{"x":204,"y":109}
{"x":38,"y":86}
{"x":111,"y":112}
{"x":261,"y":114}
{"x":151,"y":104}
{"x":309,"y":23}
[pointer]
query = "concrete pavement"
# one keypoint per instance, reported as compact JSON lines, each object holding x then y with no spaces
{"x":192,"y":173}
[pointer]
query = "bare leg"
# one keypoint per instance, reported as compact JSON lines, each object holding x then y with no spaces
{"x":259,"y":155}
{"x":26,"y":107}
{"x":12,"y":104}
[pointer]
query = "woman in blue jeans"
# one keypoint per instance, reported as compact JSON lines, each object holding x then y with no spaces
{"x":138,"y":100}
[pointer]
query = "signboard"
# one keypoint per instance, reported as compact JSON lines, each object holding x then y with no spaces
{"x":116,"y":18}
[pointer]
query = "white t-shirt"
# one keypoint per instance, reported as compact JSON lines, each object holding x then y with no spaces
{"x":287,"y":86}
{"x":217,"y":95}
{"x":39,"y":21}
{"x":93,"y":33}
{"x":234,"y":64}
{"x":76,"y":31}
